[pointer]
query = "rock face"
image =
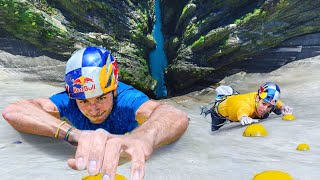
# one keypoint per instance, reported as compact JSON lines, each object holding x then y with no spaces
{"x":298,"y":48}
{"x":204,"y":39}
{"x":58,"y":27}
{"x":18,"y":56}
{"x":210,"y":35}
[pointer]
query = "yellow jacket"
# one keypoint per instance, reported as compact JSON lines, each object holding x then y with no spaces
{"x":236,"y":106}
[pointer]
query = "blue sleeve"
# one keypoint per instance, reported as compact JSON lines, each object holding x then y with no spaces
{"x":277,"y":111}
{"x":134,"y":100}
{"x":130,"y":97}
{"x":61,"y":100}
{"x":129,"y":100}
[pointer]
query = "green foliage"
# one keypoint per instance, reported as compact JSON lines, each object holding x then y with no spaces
{"x":190,"y":31}
{"x":150,"y":41}
{"x":138,"y":78}
{"x":282,"y":4}
{"x":43,"y":5}
{"x":175,"y":42}
{"x":140,"y":34}
{"x":124,"y":74}
{"x":248,"y":17}
{"x":184,"y":11}
{"x":215,"y":37}
{"x":23,"y":19}
{"x":198,"y":43}
{"x":142,"y":39}
{"x":187,"y":10}
{"x":25,"y":22}
{"x":142,"y":25}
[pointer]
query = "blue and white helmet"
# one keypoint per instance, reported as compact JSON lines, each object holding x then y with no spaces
{"x":90,"y":72}
{"x":270,"y":92}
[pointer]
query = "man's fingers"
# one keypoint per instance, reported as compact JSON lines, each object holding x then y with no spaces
{"x":83,"y":149}
{"x":138,"y":164}
{"x":72,"y":164}
{"x":97,"y":151}
{"x":244,"y":121}
{"x":111,"y":158}
{"x":255,"y":120}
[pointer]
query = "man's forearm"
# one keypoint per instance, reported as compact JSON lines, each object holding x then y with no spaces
{"x":28,"y":117}
{"x":164,"y":126}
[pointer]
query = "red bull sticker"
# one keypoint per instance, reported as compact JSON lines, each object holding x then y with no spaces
{"x":84,"y":88}
{"x":82,"y":80}
{"x":86,"y":83}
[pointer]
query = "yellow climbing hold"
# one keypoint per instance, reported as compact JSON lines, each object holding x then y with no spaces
{"x":303,"y":147}
{"x":255,"y":130}
{"x":272,"y":175}
{"x":99,"y":177}
{"x":288,"y":117}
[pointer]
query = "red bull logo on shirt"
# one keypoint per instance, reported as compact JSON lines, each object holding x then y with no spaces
{"x":83,"y":81}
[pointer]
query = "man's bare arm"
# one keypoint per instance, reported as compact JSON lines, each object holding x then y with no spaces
{"x":38,"y":116}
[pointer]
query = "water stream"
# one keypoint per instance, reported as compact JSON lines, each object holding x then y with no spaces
{"x":158,"y":58}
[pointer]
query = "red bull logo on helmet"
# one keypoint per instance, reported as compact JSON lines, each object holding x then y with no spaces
{"x":84,"y":88}
{"x":82,"y":80}
{"x":86,"y":84}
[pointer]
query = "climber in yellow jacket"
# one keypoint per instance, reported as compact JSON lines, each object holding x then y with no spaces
{"x":247,"y":108}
